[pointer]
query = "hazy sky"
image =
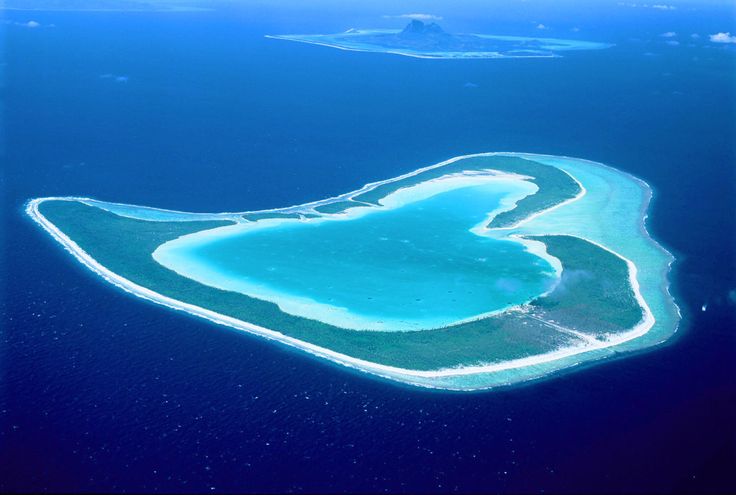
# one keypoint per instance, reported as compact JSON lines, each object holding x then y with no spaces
{"x":604,"y":20}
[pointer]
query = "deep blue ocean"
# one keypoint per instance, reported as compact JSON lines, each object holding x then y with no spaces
{"x":101,"y":391}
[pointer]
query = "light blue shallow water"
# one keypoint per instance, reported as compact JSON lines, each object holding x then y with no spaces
{"x":412,"y":267}
{"x":487,"y":46}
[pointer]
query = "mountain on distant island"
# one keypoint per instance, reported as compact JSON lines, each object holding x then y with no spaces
{"x":429,"y":36}
{"x":417,"y":28}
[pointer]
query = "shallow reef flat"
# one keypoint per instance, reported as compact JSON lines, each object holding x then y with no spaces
{"x":430,"y":41}
{"x":480,"y":271}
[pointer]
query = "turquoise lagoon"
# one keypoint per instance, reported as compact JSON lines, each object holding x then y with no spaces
{"x":421,"y":260}
{"x":416,"y":266}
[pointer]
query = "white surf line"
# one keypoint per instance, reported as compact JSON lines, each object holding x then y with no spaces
{"x":644,"y":216}
{"x":386,"y":371}
{"x":647,"y":321}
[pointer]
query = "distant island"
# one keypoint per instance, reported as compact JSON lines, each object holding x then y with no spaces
{"x":480,"y":271}
{"x":422,"y":40}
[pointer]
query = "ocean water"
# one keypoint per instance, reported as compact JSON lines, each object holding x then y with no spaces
{"x":101,"y":391}
{"x":379,"y":268}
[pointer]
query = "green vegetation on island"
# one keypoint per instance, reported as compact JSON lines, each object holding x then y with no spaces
{"x":515,"y":334}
